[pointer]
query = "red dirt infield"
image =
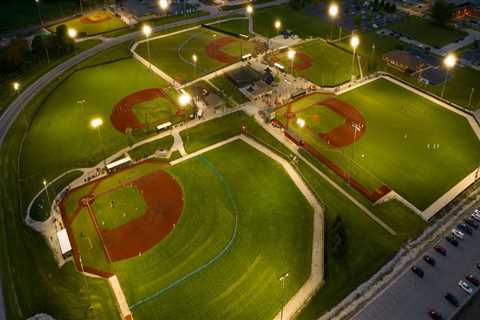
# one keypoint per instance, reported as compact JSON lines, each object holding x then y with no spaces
{"x":301,"y":61}
{"x":214,"y":50}
{"x":89,"y":20}
{"x":123,"y":117}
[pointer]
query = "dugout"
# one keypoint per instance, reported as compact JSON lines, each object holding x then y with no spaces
{"x":64,"y":241}
{"x":119,"y":164}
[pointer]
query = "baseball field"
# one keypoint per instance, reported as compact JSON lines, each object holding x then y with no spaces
{"x":222,"y":261}
{"x":214,"y":50}
{"x":92,"y":23}
{"x":319,"y":62}
{"x":380,"y":133}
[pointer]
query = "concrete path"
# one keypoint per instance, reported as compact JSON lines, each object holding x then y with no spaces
{"x":178,"y":143}
{"x":122,"y":304}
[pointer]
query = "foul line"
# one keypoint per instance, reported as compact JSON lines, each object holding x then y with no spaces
{"x":185,"y":277}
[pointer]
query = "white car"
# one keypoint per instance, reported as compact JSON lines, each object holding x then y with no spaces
{"x":458,"y":234}
{"x":465,"y":287}
{"x":476,"y":216}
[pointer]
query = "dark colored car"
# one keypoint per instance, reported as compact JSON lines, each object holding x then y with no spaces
{"x":472,"y":223}
{"x":452,"y":299}
{"x":440,"y":250}
{"x":418,"y":271}
{"x":474,"y":280}
{"x":452,"y":240}
{"x":429,"y":260}
{"x":463,"y":227}
{"x":435,"y":315}
{"x":276,"y":123}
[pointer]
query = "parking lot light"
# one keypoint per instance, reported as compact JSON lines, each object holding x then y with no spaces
{"x":333,"y":13}
{"x":354,"y":42}
{"x":449,"y":62}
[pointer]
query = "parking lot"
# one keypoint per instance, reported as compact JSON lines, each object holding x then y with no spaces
{"x":410,"y":297}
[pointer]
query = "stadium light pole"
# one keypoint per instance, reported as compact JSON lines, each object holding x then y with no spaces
{"x":16,"y":88}
{"x":291,"y":56}
{"x":277,"y":25}
{"x":356,"y":128}
{"x":147,"y":31}
{"x":354,"y":42}
{"x":194,"y":59}
{"x":301,"y":122}
{"x":72,"y":34}
{"x":184,"y":100}
{"x":48,"y":196}
{"x":39,"y":14}
{"x":282,"y":280}
{"x":163,"y":4}
{"x":249,"y":11}
{"x":449,"y":62}
{"x":96,"y":124}
{"x":333,"y":13}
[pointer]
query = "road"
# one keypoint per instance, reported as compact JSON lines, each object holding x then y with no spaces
{"x":410,"y":297}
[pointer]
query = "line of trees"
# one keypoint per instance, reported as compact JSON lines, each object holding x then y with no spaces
{"x":19,"y":55}
{"x":442,"y":12}
{"x":385,"y":6}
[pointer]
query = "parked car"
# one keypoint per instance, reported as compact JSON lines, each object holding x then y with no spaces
{"x":465,"y":287}
{"x":452,"y":240}
{"x":429,"y":260}
{"x":452,"y":299}
{"x":474,"y":280}
{"x":435,"y":315}
{"x":276,"y":123}
{"x":472,"y":223}
{"x":476,"y":215}
{"x":458,"y":234}
{"x":440,"y":250}
{"x":464,"y":228}
{"x":418,"y":271}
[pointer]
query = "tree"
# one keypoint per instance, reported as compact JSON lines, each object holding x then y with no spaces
{"x":442,"y":12}
{"x":357,"y":20}
{"x":14,"y":55}
{"x":375,"y":3}
{"x":394,"y":8}
{"x":339,"y":238}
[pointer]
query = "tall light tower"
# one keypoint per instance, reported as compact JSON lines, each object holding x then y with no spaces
{"x":37,"y":2}
{"x":449,"y":62}
{"x":184,"y":100}
{"x":354,"y":42}
{"x":333,"y":13}
{"x":96,"y":124}
{"x":277,"y":25}
{"x":291,"y":56}
{"x":45,"y":184}
{"x":356,"y":128}
{"x":163,"y":4}
{"x":16,"y":88}
{"x":147,"y":31}
{"x":249,"y":11}
{"x":282,"y":280}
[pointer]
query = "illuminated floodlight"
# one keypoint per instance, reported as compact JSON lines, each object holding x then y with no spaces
{"x":147,"y":30}
{"x":300,"y":122}
{"x":184,"y":99}
{"x":450,"y":60}
{"x":194,"y":58}
{"x":96,"y":122}
{"x":291,"y":54}
{"x":249,"y":9}
{"x":354,"y":41}
{"x":333,"y":10}
{"x":16,"y":86}
{"x":72,"y":33}
{"x":163,"y":4}
{"x":278,"y":24}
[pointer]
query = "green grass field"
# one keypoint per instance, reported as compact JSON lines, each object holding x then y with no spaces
{"x":148,"y":149}
{"x":110,"y":23}
{"x":246,"y":276}
{"x":427,"y":32}
{"x":384,"y":145}
{"x":173,"y":54}
{"x":330,"y":65}
{"x":235,"y":26}
{"x":61,"y":121}
{"x":156,"y":111}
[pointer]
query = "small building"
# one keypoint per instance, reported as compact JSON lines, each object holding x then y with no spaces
{"x":465,"y":9}
{"x":243,"y":77}
{"x":404,"y":61}
{"x":64,"y":241}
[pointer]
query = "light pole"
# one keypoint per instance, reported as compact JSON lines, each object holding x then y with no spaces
{"x":163,"y":4}
{"x":282,"y":280}
{"x":449,"y":62}
{"x":16,"y":88}
{"x":147,"y":31}
{"x":39,"y":14}
{"x":96,"y":123}
{"x":356,"y":128}
{"x":291,"y":56}
{"x":194,"y":59}
{"x":82,"y":102}
{"x":354,"y":42}
{"x":333,"y":13}
{"x":48,"y":196}
{"x":249,"y":11}
{"x":72,"y":33}
{"x":277,"y":25}
{"x":184,"y":100}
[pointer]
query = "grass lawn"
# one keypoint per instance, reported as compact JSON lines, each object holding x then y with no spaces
{"x":427,"y":32}
{"x":102,"y":21}
{"x":384,"y":146}
{"x":330,"y":66}
{"x":234,"y":26}
{"x":228,"y":89}
{"x":24,"y":13}
{"x":245,"y":278}
{"x":62,"y":122}
{"x":155,"y":111}
{"x":148,"y":149}
{"x":173,"y":54}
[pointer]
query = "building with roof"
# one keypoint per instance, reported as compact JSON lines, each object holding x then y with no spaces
{"x":404,"y":61}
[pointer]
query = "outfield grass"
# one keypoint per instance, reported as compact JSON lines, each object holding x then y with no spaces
{"x":148,"y":149}
{"x":330,"y":65}
{"x":384,"y":145}
{"x":173,"y":54}
{"x":62,"y":122}
{"x":89,"y":29}
{"x":427,"y":32}
{"x":246,"y":278}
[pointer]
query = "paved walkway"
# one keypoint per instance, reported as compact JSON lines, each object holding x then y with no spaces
{"x":122,"y":304}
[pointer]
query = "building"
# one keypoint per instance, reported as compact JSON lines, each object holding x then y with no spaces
{"x":404,"y":61}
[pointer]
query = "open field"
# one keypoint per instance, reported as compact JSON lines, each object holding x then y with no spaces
{"x":63,"y":121}
{"x":319,"y":62}
{"x":427,"y":32}
{"x":236,"y":214}
{"x":234,"y":26}
{"x":214,"y":50}
{"x":95,"y":22}
{"x":404,"y":144}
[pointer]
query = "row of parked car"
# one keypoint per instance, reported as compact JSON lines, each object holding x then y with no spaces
{"x":468,"y":226}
